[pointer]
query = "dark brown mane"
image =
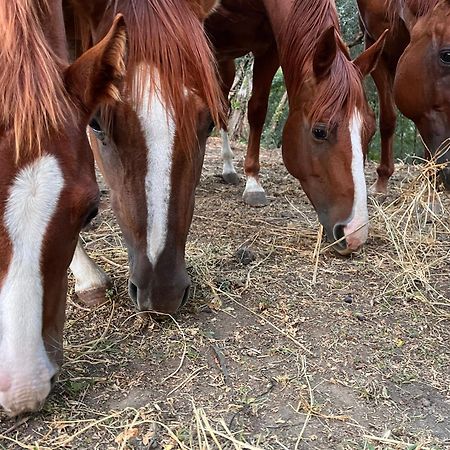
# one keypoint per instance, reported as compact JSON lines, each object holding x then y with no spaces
{"x":342,"y":89}
{"x":32,"y":93}
{"x":167,"y":38}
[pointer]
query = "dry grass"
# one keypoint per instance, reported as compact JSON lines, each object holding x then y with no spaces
{"x":299,"y":349}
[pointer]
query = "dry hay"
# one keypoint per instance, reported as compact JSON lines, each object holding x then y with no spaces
{"x":298,"y":349}
{"x":415,"y":226}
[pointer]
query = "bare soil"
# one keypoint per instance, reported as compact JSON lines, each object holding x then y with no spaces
{"x":278,"y":348}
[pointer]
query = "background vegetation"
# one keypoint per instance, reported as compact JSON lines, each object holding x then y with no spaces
{"x":407,"y":142}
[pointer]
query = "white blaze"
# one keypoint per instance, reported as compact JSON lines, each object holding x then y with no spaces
{"x":25,"y":370}
{"x":356,"y":231}
{"x":159,"y":131}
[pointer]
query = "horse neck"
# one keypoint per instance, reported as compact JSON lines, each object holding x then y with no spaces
{"x":277,"y":11}
{"x":54,"y":29}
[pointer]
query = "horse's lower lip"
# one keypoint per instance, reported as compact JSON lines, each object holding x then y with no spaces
{"x":343,"y":251}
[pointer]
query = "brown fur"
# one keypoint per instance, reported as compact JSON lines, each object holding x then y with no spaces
{"x":302,"y":31}
{"x":32,"y":95}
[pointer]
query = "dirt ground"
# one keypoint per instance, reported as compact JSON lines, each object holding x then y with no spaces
{"x":293,"y":349}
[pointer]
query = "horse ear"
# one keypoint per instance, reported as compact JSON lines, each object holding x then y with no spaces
{"x":325,"y":53}
{"x":368,"y":60}
{"x":96,"y":75}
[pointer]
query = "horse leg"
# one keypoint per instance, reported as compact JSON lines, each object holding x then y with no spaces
{"x":388,"y":117}
{"x":91,"y":282}
{"x":264,"y":69}
{"x":227,"y":71}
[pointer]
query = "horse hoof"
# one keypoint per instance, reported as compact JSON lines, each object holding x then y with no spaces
{"x":231,"y":178}
{"x":378,"y":189}
{"x":93,"y":297}
{"x":256,"y":199}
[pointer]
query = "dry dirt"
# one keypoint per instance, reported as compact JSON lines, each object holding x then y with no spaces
{"x":263,"y":356}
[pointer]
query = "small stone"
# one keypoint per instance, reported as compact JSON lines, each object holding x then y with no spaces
{"x":426,"y":403}
{"x":360,"y":316}
{"x":348,"y":299}
{"x":245,"y":255}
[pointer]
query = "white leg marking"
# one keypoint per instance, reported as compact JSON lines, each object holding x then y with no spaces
{"x":227,"y":154}
{"x":159,"y":130}
{"x":253,"y":185}
{"x":24,"y":365}
{"x":88,"y":276}
{"x":356,"y":231}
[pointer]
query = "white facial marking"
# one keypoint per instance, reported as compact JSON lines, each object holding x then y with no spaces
{"x":159,"y":130}
{"x":253,"y":185}
{"x":25,"y":370}
{"x":88,"y":276}
{"x":227,"y":154}
{"x":356,"y":231}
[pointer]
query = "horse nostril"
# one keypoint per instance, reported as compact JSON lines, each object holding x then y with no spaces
{"x":186,"y":296}
{"x":339,"y":235}
{"x":132,"y":291}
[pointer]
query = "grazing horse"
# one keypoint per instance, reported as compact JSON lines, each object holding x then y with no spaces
{"x":413,"y":72}
{"x":330,"y":123}
{"x":48,"y":190}
{"x":150,"y":146}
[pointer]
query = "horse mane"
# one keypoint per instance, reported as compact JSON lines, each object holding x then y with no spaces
{"x":33,"y":99}
{"x":421,"y":8}
{"x":166,"y":38}
{"x":343,"y":90}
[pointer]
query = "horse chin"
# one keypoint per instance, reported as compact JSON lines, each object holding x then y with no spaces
{"x":343,"y":251}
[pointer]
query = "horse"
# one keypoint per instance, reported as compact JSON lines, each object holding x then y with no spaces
{"x":150,"y":146}
{"x":413,"y":73}
{"x":48,"y":190}
{"x":329,"y":125}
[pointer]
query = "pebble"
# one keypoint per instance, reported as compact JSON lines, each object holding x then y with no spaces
{"x":348,"y":299}
{"x":245,"y":255}
{"x":426,"y":403}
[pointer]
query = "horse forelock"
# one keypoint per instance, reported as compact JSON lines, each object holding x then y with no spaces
{"x":33,"y":99}
{"x":341,"y":91}
{"x":417,"y":7}
{"x":169,"y":52}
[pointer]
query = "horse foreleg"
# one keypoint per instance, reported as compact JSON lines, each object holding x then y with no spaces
{"x":91,"y":282}
{"x":227,"y":70}
{"x":264,"y":69}
{"x":229,"y":173}
{"x":384,"y":81}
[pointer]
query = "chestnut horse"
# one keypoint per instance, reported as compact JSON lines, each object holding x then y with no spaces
{"x":48,"y":190}
{"x":150,"y":146}
{"x":330,"y":124}
{"x":414,"y":70}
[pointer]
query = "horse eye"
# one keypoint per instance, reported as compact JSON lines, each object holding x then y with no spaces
{"x":320,"y":132}
{"x":95,"y":125}
{"x":92,"y":214}
{"x":444,"y":56}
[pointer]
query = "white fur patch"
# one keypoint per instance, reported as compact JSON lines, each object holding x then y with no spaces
{"x":356,"y":231}
{"x":159,"y":131}
{"x":24,"y":363}
{"x":88,"y":275}
{"x":253,"y":185}
{"x":227,"y":154}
